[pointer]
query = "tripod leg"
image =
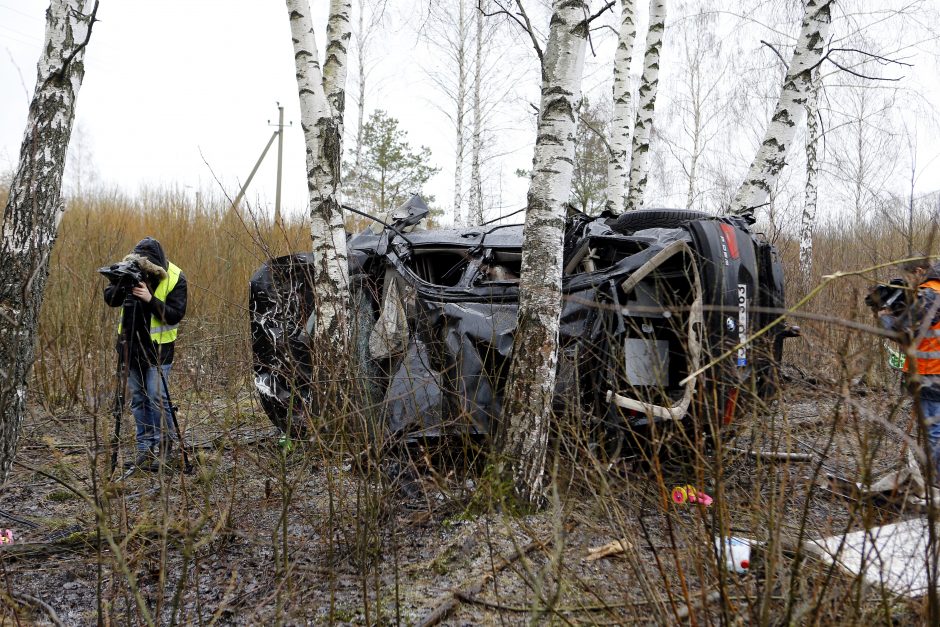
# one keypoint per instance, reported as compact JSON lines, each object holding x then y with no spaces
{"x":187,"y":467}
{"x":117,"y":412}
{"x":123,"y":371}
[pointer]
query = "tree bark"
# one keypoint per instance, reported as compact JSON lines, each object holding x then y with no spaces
{"x":531,"y":384}
{"x":321,"y":120}
{"x":619,"y":159}
{"x":649,"y":85}
{"x":475,"y":205}
{"x":808,"y":222}
{"x":34,"y":207}
{"x":771,"y":156}
{"x":460,"y":98}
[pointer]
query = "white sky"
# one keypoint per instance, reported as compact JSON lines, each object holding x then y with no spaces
{"x":175,"y":87}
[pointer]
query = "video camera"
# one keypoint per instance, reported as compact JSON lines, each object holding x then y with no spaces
{"x":124,"y":273}
{"x":888,"y":296}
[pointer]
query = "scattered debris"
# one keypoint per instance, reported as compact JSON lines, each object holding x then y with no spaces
{"x":893,"y":556}
{"x":611,"y":548}
{"x":688,"y":494}
{"x":6,"y":536}
{"x":773,"y":455}
{"x":735,"y":551}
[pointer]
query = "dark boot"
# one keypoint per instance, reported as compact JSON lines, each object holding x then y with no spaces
{"x":168,"y":455}
{"x":146,"y":459}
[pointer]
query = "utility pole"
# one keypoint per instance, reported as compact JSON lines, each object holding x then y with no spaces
{"x":280,"y":159}
{"x":279,"y":134}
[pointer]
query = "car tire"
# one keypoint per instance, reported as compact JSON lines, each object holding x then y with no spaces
{"x":640,"y":219}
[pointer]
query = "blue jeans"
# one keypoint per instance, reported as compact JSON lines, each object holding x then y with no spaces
{"x":931,"y":411}
{"x":150,"y":407}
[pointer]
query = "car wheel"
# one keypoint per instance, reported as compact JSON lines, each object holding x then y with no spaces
{"x":654,"y":218}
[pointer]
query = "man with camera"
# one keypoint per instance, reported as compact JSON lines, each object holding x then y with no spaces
{"x":917,"y":317}
{"x":152,"y":293}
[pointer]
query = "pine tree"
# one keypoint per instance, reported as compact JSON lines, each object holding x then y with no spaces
{"x":390,"y":171}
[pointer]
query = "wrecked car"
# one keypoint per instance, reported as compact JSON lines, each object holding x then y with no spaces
{"x":650,"y":298}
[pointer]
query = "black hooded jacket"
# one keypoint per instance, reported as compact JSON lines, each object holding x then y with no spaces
{"x":149,"y":255}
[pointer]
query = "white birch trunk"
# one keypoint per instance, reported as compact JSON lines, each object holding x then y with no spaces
{"x":695,"y":93}
{"x":531,"y":383}
{"x":808,"y":221}
{"x":646,"y":104}
{"x":361,"y":65}
{"x":475,"y":206}
{"x":323,"y":139}
{"x":461,"y":54}
{"x":619,"y":159}
{"x":771,"y":156}
{"x":34,"y":207}
{"x":338,"y":35}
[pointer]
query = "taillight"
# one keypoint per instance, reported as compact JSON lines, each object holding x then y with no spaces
{"x":731,"y":239}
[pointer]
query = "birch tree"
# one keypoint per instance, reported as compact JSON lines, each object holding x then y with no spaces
{"x":497,"y":75}
{"x":448,"y":33}
{"x":808,"y":220}
{"x":34,"y":207}
{"x":642,"y":129}
{"x":475,"y":203}
{"x":530,"y":387}
{"x":618,"y":162}
{"x":369,"y":19}
{"x":462,"y":63}
{"x":697,"y":112}
{"x":322,"y":102}
{"x":797,"y":84}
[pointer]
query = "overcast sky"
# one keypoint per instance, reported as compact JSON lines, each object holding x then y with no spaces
{"x":175,"y":91}
{"x":179,"y":93}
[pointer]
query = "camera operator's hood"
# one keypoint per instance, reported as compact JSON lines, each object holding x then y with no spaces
{"x":149,"y":255}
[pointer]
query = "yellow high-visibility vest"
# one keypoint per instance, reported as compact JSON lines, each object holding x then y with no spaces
{"x":159,"y":332}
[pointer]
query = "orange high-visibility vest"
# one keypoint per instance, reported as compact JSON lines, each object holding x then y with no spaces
{"x":928,"y":349}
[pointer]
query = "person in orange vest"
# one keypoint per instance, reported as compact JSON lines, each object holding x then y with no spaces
{"x":153,"y":320}
{"x":918,"y":319}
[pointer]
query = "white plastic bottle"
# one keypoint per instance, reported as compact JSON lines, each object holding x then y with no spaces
{"x":736,"y":552}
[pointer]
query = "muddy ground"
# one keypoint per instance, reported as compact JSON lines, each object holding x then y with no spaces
{"x":211,"y":548}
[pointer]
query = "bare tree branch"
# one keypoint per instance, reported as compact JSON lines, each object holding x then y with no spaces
{"x":600,"y":12}
{"x":776,"y":52}
{"x":881,"y":60}
{"x":524,"y":22}
{"x":596,"y":131}
{"x":20,"y":73}
{"x":77,"y":49}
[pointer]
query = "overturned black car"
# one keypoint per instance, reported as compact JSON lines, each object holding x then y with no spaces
{"x":649,"y":298}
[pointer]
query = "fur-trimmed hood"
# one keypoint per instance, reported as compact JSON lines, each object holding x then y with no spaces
{"x":149,"y":255}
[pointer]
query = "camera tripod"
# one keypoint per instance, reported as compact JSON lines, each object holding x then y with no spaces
{"x":129,"y":318}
